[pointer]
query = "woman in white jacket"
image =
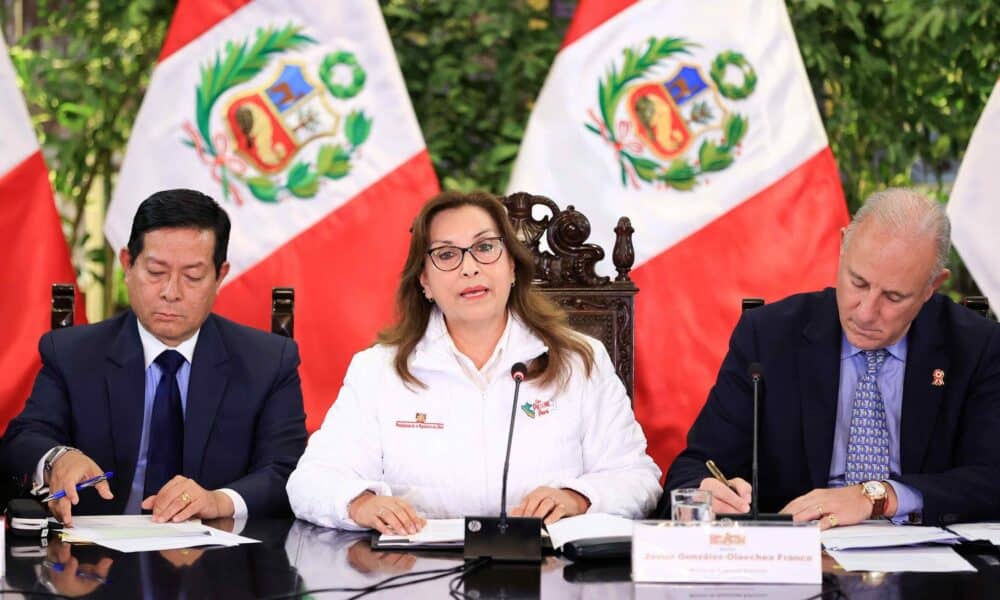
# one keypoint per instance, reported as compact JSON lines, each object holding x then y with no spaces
{"x":419,"y":429}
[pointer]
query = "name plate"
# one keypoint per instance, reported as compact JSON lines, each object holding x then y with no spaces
{"x":726,"y":552}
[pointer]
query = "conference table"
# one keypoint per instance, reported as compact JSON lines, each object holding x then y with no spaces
{"x":298,"y":560}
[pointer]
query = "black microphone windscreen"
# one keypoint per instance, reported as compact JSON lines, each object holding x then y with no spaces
{"x":755,"y":370}
{"x":519,"y":371}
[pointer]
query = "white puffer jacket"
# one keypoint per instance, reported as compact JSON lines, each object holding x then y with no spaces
{"x":442,"y":447}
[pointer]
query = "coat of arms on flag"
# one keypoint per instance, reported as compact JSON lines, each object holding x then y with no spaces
{"x":657,"y":111}
{"x":271,"y":123}
{"x":280,"y":110}
{"x":673,"y":113}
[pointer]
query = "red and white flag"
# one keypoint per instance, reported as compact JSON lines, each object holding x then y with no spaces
{"x":35,"y":251}
{"x":294,"y":116}
{"x":974,"y":205}
{"x":696,"y":120}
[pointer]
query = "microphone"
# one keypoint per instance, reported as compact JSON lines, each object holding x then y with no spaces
{"x":756,"y":374}
{"x":517,"y":372}
{"x":505,"y":538}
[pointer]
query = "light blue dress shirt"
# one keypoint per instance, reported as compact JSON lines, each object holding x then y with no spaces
{"x":890,"y":384}
{"x":151,"y":349}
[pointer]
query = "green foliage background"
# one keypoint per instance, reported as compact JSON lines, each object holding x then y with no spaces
{"x":900,"y":85}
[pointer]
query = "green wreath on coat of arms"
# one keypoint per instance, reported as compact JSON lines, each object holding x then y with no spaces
{"x":269,"y":125}
{"x":666,"y":117}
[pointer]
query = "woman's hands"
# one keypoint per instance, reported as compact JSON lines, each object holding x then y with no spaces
{"x":387,"y":514}
{"x":551,"y":504}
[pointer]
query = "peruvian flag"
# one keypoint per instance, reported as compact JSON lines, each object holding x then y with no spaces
{"x":974,"y":205}
{"x":35,"y":251}
{"x":696,"y":120}
{"x":294,"y":116}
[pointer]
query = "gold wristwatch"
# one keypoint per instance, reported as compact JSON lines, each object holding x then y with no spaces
{"x":878,"y":494}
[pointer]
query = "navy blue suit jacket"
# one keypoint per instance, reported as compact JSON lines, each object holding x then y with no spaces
{"x":949,"y":435}
{"x":244,"y":425}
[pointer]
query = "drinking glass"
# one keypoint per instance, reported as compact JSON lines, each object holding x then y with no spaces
{"x":691,"y":505}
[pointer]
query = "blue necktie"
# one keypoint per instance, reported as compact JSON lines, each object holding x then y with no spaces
{"x":166,"y":426}
{"x":868,"y":444}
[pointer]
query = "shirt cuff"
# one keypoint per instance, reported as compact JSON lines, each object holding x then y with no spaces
{"x":39,"y":486}
{"x":239,"y":505}
{"x":38,"y":480}
{"x":909,"y":504}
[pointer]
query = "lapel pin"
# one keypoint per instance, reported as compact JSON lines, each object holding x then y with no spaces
{"x":937,"y":378}
{"x":528,"y":409}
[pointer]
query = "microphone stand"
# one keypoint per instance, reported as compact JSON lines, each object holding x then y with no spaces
{"x":518,"y":378}
{"x":756,"y":377}
{"x":505,"y":538}
{"x":754,"y":507}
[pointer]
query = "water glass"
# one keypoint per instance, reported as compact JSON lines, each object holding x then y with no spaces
{"x":691,"y":505}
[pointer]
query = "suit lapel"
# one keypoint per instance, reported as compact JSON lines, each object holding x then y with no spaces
{"x":209,"y":378}
{"x":126,"y":379}
{"x":925,"y":353}
{"x":818,"y":364}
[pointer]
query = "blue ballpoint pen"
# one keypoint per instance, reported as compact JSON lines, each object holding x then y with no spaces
{"x":83,"y":484}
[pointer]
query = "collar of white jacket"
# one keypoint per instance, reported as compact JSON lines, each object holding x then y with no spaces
{"x":435,"y":351}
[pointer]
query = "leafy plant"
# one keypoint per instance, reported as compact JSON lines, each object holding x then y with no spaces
{"x":473,"y":70}
{"x":82,"y":67}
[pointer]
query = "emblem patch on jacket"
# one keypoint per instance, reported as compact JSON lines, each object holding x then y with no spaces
{"x":419,"y":422}
{"x":538,"y":408}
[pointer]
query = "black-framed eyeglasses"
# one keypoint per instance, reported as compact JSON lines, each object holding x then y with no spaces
{"x":449,"y":258}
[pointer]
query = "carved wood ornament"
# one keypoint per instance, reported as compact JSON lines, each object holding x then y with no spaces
{"x":596,"y":305}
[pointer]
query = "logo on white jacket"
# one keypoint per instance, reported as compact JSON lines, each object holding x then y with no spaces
{"x":419,"y":422}
{"x":538,"y":408}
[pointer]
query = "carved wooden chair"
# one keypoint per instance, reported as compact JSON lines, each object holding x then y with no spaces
{"x":282,"y":308}
{"x":598,"y":306}
{"x":980,"y":304}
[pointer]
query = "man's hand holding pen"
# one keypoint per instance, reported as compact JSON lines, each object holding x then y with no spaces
{"x":69,"y":470}
{"x":728,"y":495}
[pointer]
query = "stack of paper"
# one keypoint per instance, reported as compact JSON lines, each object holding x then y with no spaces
{"x":138,"y":533}
{"x":882,"y":546}
{"x":883,"y":535}
{"x":978,"y":531}
{"x":437,"y":532}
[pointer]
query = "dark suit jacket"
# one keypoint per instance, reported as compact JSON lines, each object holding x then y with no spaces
{"x":244,"y":425}
{"x":949,"y":435}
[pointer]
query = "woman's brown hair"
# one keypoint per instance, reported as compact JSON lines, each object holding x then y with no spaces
{"x":542,"y":316}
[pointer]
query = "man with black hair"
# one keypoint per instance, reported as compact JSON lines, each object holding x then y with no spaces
{"x":195,"y":415}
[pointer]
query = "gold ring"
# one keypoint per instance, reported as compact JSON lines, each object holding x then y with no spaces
{"x":832,"y":518}
{"x":186,"y":498}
